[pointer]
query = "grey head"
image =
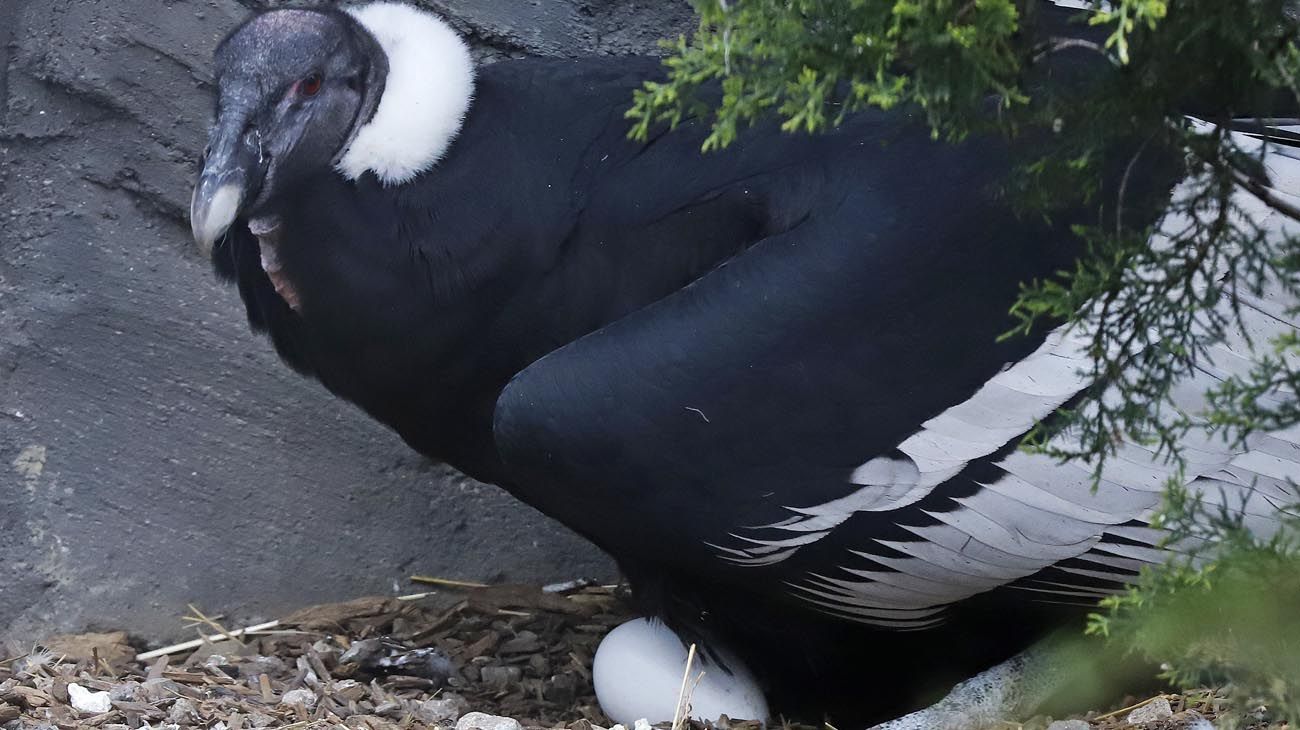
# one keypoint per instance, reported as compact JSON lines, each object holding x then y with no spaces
{"x":294,"y":87}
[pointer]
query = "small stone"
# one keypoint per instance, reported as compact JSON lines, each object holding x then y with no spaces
{"x":561,"y":689}
{"x":92,"y":703}
{"x":484,"y":721}
{"x":1191,"y":720}
{"x":1069,"y":725}
{"x":257,"y":719}
{"x":642,"y":724}
{"x":220,"y":653}
{"x":154,"y":690}
{"x":349,"y":689}
{"x":125,"y":692}
{"x":525,"y":642}
{"x":1157,"y":709}
{"x":445,"y":709}
{"x":262,"y":665}
{"x":539,"y":665}
{"x":325,"y":648}
{"x":183,"y":712}
{"x":304,"y":697}
{"x":501,"y":677}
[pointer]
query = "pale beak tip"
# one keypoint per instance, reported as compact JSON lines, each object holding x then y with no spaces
{"x":213,"y":209}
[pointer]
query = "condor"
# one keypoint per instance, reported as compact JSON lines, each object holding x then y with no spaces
{"x":768,"y":381}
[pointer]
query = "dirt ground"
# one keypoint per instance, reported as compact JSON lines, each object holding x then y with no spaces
{"x":472,"y":657}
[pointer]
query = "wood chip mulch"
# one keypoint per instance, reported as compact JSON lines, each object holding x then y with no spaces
{"x":496,"y":658}
{"x":368,"y":664}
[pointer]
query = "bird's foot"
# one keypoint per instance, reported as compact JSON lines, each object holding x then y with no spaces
{"x":1007,"y":693}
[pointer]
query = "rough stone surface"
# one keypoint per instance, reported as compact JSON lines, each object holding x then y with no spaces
{"x":442,"y":710}
{"x":483,"y":721}
{"x":1069,"y":725}
{"x":1191,"y":720}
{"x":153,"y":453}
{"x":88,"y":702}
{"x":304,"y":697}
{"x":1157,"y":709}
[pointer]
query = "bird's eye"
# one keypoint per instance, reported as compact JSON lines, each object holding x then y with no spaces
{"x":310,"y":86}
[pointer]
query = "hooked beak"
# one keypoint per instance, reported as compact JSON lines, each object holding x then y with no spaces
{"x":232,"y":176}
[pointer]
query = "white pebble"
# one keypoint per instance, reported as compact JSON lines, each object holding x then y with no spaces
{"x":1069,"y":725}
{"x":83,"y":700}
{"x":642,"y":724}
{"x":446,"y":709}
{"x":183,"y":712}
{"x":484,"y":721}
{"x":1196,"y":722}
{"x":304,"y":697}
{"x":1157,"y":709}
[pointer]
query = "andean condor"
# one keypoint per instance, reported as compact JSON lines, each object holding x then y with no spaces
{"x":768,"y":381}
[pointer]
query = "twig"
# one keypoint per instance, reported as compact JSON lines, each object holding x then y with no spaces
{"x":416,"y":596}
{"x":446,"y":582}
{"x":1123,"y":188}
{"x":569,"y":586}
{"x":683,"y":699}
{"x":1130,"y":708}
{"x":264,"y":628}
{"x":196,"y":643}
{"x":1265,"y":194}
{"x":1055,"y":45}
{"x":204,"y":619}
{"x":193,"y":621}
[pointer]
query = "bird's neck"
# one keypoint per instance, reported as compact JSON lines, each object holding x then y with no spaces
{"x":426,"y":93}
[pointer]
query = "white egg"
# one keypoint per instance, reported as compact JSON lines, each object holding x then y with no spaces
{"x":638,"y":676}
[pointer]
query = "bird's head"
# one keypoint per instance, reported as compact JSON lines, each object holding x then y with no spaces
{"x":380,"y":88}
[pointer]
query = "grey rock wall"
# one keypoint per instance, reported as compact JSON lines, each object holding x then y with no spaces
{"x":153,"y":453}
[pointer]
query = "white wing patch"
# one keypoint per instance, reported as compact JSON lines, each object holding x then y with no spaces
{"x":1037,"y":513}
{"x":1006,"y":407}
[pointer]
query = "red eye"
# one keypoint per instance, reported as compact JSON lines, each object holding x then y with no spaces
{"x":310,"y":86}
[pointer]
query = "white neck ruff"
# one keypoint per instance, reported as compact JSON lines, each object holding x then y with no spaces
{"x":426,"y":96}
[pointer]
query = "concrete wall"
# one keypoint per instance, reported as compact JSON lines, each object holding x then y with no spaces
{"x":153,"y":452}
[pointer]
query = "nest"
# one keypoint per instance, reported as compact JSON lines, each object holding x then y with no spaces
{"x":371,"y":664}
{"x":497,"y":658}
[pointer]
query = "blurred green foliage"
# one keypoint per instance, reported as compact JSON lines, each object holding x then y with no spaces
{"x":1227,"y":618}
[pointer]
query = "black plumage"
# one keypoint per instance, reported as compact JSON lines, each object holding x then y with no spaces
{"x":664,"y":350}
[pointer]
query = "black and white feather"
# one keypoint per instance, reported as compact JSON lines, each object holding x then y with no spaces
{"x":1032,"y":523}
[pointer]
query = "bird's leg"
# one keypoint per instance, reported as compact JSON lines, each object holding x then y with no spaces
{"x":1010,"y":691}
